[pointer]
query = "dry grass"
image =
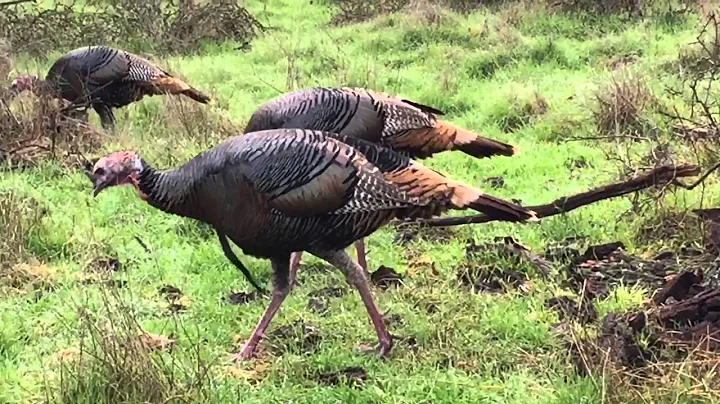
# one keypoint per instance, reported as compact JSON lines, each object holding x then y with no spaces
{"x":129,"y":364}
{"x":619,"y":107}
{"x":19,"y":216}
{"x":627,"y":369}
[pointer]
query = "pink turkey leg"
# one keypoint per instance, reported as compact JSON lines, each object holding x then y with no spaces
{"x":281,"y":289}
{"x":360,"y":248}
{"x":294,"y":264}
{"x":356,"y":277}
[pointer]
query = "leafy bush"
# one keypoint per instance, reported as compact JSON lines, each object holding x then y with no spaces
{"x":134,"y":25}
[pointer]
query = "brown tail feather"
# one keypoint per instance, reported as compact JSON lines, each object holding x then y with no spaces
{"x":173,"y":85}
{"x":423,"y":182}
{"x":443,"y":136}
{"x":474,"y":144}
{"x":502,"y":209}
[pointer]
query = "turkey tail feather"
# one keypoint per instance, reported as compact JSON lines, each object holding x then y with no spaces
{"x":502,"y":209}
{"x":173,"y":85}
{"x":472,"y":143}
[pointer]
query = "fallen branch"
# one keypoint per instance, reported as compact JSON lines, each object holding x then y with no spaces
{"x":663,"y":175}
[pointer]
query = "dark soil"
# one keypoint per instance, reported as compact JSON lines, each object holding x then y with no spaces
{"x":495,"y":182}
{"x":350,"y":376}
{"x":319,"y":300}
{"x":386,"y":277}
{"x":682,"y":317}
{"x":243,"y":297}
{"x":296,"y":336}
{"x":173,"y":295}
{"x":328,"y":292}
{"x":487,"y":266}
{"x":105,"y":264}
{"x":409,"y":232}
{"x":604,"y":266}
{"x":569,"y":309}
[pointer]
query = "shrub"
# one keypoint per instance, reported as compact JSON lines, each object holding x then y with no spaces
{"x":620,"y":105}
{"x":135,"y":26}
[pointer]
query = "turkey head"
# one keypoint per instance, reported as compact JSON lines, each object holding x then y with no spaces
{"x":23,"y":83}
{"x":119,"y":168}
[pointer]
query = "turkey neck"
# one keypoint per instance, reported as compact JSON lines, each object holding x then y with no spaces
{"x":172,"y":191}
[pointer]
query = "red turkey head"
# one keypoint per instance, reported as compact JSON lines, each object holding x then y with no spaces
{"x":119,"y":168}
{"x":23,"y":83}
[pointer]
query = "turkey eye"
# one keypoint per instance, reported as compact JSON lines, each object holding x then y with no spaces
{"x":100,"y":171}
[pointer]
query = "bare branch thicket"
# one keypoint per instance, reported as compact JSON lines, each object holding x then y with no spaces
{"x":136,"y":26}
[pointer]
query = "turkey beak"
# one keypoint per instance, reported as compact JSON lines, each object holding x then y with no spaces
{"x":100,"y":185}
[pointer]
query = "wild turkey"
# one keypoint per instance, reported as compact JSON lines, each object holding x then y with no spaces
{"x":406,"y":126}
{"x":105,"y":78}
{"x":279,"y":191}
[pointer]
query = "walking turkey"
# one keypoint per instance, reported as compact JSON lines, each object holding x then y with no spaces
{"x":405,"y":126}
{"x":105,"y":78}
{"x":279,"y":191}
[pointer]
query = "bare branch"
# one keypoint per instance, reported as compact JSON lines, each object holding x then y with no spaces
{"x":660,"y":176}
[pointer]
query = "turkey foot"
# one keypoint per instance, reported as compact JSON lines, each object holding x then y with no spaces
{"x":382,"y":350}
{"x":248,"y":352}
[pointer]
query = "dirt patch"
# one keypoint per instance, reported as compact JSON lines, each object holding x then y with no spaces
{"x":105,"y":264}
{"x":604,"y":266}
{"x":319,"y":300}
{"x":298,"y":336}
{"x":409,"y":232}
{"x":569,"y":309}
{"x":674,"y":336}
{"x":243,"y":297}
{"x":488,"y":266}
{"x":354,"y":376}
{"x":386,"y":277}
{"x":495,"y":182}
{"x":177,"y":302}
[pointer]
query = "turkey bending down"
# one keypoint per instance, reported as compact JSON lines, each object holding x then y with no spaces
{"x":105,"y":78}
{"x":405,"y":126}
{"x":279,"y":191}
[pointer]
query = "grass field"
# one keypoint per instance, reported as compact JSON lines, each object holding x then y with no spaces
{"x":520,"y":75}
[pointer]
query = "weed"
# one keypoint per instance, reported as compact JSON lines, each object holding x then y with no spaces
{"x":620,"y":106}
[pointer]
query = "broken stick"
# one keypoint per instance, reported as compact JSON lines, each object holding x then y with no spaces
{"x":662,"y":175}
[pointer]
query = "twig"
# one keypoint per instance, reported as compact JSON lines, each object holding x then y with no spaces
{"x":659,"y":176}
{"x":699,"y":181}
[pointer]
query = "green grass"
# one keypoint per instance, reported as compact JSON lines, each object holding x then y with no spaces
{"x":475,"y":347}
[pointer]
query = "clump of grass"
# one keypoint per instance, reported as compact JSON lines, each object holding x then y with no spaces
{"x":19,"y":216}
{"x":518,"y":112}
{"x":620,"y":106}
{"x":116,"y":361}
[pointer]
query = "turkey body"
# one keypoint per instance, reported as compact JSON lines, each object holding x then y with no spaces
{"x":106,"y":78}
{"x":405,"y":126}
{"x":280,"y":191}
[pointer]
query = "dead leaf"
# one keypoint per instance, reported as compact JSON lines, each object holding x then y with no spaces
{"x":156,"y":342}
{"x":68,"y":354}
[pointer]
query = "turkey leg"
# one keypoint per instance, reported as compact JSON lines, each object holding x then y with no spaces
{"x":296,"y":256}
{"x":281,"y":289}
{"x":355,"y":276}
{"x":107,"y":116}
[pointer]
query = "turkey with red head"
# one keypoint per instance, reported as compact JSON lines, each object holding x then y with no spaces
{"x":279,"y":191}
